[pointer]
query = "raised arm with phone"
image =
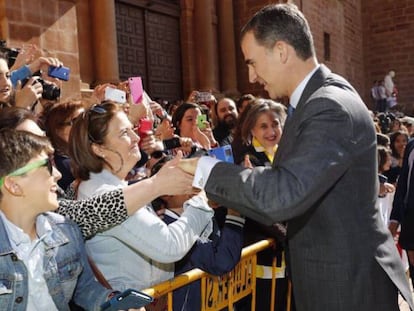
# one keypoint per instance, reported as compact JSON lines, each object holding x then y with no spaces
{"x":136,"y":89}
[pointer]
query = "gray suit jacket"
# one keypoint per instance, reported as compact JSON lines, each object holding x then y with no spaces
{"x":324,"y":184}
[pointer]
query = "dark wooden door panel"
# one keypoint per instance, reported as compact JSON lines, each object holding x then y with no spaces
{"x":149,"y":46}
{"x":131,"y":41}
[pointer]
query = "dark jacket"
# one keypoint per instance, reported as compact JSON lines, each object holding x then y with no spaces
{"x":222,"y":134}
{"x":403,"y":204}
{"x":63,"y":165}
{"x":216,"y":255}
{"x":324,"y":183}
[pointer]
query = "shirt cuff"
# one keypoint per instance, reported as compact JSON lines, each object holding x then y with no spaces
{"x":203,"y":170}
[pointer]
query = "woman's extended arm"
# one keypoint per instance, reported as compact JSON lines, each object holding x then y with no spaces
{"x":170,"y":180}
{"x":104,"y":211}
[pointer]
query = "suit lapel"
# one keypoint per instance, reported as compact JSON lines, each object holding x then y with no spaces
{"x":317,"y":80}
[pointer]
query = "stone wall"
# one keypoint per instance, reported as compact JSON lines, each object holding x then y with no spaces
{"x":341,"y":20}
{"x":367,"y":38}
{"x":388,"y":35}
{"x":51,"y":25}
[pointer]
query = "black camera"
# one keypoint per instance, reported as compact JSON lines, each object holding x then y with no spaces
{"x":50,"y":90}
{"x":9,"y":53}
{"x":384,"y":120}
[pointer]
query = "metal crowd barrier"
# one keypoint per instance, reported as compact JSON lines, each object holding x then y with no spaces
{"x":220,"y":292}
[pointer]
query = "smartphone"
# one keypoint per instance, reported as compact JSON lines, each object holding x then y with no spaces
{"x":171,"y":143}
{"x":129,"y":299}
{"x":224,"y":153}
{"x":137,"y":91}
{"x":61,"y":73}
{"x":145,"y":128}
{"x":115,"y":95}
{"x":200,"y":121}
{"x":205,"y":98}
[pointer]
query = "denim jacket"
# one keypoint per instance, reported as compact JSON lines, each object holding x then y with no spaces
{"x":66,"y":270}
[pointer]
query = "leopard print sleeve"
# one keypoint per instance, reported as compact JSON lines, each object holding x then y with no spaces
{"x":96,"y":214}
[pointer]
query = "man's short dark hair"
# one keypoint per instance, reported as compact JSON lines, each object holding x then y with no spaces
{"x":282,"y":22}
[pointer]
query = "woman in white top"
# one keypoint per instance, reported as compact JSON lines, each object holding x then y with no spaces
{"x":140,"y":252}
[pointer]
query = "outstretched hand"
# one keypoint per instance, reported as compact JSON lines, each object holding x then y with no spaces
{"x":172,"y":179}
{"x":188,"y":165}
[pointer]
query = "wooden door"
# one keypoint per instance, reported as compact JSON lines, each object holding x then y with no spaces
{"x":149,"y":45}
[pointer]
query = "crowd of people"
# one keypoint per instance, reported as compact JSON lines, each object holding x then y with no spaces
{"x":394,"y":141}
{"x":98,"y":196}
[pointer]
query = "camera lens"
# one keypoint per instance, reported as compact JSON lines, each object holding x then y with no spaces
{"x":50,"y":91}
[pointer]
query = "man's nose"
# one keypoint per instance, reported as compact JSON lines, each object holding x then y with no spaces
{"x":252,"y":75}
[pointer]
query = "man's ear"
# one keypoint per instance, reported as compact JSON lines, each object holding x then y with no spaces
{"x":281,"y":50}
{"x":13,"y":187}
{"x":98,"y":150}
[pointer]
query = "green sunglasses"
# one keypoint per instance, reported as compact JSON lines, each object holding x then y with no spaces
{"x":30,"y":167}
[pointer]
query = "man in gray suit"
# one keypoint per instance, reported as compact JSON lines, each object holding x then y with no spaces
{"x":324,"y":178}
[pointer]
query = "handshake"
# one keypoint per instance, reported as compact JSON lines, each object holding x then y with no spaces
{"x":188,"y":165}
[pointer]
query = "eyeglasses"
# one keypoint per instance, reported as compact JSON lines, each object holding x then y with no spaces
{"x":99,"y":109}
{"x":30,"y":167}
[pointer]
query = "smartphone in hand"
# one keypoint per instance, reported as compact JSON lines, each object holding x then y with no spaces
{"x":61,"y":73}
{"x":115,"y":95}
{"x":224,"y":153}
{"x":129,"y":299}
{"x":144,"y":128}
{"x":137,"y":91}
{"x":200,"y":121}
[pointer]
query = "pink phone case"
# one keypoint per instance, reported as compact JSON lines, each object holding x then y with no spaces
{"x":135,"y":86}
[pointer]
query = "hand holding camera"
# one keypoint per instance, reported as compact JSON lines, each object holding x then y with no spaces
{"x":49,"y":91}
{"x":28,"y":93}
{"x":47,"y":71}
